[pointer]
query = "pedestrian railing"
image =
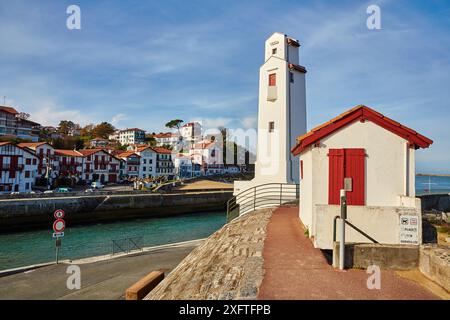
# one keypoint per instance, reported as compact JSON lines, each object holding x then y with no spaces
{"x":127,"y":245}
{"x":266,"y":195}
{"x":353,"y":227}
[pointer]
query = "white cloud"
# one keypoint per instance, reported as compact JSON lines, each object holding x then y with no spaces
{"x":249,"y":122}
{"x":118,"y":118}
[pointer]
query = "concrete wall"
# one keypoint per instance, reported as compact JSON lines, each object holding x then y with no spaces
{"x":28,"y":213}
{"x":435,"y":264}
{"x":380,"y":223}
{"x":361,"y":256}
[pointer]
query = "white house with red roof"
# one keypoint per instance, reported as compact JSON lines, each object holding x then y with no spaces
{"x":45,"y":153}
{"x":131,"y":166}
{"x":209,"y":155}
{"x":166,"y":138}
{"x":12,"y":124}
{"x":164,"y":162}
{"x":191,"y":131}
{"x":69,"y":164}
{"x":99,"y":165}
{"x":374,"y":157}
{"x":18,"y":168}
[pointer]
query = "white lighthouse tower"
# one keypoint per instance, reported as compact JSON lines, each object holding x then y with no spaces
{"x":281,"y":113}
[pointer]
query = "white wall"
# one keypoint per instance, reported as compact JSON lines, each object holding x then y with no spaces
{"x":381,"y":223}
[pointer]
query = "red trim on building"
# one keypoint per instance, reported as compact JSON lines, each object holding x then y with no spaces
{"x":357,"y":114}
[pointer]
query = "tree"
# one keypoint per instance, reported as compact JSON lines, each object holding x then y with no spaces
{"x":103,"y":130}
{"x":174,"y":124}
{"x":65,"y":126}
{"x":87,"y":130}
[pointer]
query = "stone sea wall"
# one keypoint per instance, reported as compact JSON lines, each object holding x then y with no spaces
{"x":28,"y":213}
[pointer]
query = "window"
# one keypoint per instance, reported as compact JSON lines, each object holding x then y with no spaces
{"x":271,"y":126}
{"x":27,"y":174}
{"x":272,"y":80}
{"x":35,"y":161}
{"x":291,"y":77}
{"x":274,"y":51}
{"x":28,"y":161}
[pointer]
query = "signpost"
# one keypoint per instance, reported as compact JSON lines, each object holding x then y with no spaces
{"x":342,"y":231}
{"x":58,"y":229}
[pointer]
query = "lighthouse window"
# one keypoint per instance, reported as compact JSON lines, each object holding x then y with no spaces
{"x":291,"y":77}
{"x":274,"y":51}
{"x":271,"y":126}
{"x":272,"y":79}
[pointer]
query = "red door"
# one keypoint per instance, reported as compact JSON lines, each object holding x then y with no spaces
{"x":347,"y":163}
{"x":112,"y":178}
{"x":335,"y":175}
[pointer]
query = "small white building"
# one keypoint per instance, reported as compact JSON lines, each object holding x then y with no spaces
{"x":99,"y":165}
{"x":375,"y":155}
{"x":69,"y":164}
{"x":167,"y":138}
{"x":131,"y":164}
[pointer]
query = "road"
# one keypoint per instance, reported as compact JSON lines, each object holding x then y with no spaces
{"x":103,"y":280}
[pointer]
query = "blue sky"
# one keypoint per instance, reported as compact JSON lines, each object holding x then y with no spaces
{"x":141,"y":63}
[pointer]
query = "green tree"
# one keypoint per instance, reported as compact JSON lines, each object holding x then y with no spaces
{"x":103,"y":130}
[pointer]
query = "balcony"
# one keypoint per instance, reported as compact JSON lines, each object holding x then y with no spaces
{"x":7,"y":167}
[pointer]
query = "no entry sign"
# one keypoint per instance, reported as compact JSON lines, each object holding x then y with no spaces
{"x":59,"y":214}
{"x":59,"y":225}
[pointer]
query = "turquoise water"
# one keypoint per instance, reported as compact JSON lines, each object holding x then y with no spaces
{"x":432,"y":185}
{"x":32,"y":247}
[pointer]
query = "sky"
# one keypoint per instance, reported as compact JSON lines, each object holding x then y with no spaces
{"x":142,"y":63}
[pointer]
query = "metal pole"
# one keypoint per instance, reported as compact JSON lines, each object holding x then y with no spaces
{"x":342,"y":231}
{"x":57,"y":249}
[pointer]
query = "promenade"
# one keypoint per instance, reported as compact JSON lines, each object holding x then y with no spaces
{"x":101,"y":279}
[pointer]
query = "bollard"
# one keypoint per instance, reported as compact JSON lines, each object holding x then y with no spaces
{"x":342,"y":233}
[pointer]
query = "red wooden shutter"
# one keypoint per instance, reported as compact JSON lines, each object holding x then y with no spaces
{"x":355,"y":169}
{"x":335,"y":175}
{"x":272,"y":79}
{"x":301,"y":169}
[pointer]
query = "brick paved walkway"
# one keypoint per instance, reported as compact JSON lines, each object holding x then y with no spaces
{"x":294,"y":269}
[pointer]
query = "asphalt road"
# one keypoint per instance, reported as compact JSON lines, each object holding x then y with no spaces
{"x":105,"y":280}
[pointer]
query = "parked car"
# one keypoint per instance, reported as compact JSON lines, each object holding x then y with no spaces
{"x":89,"y":190}
{"x":48,"y":191}
{"x":63,"y":190}
{"x":97,"y":185}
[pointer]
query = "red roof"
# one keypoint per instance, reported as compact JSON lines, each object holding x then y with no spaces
{"x":162,"y":150}
{"x":88,"y":152}
{"x":68,"y":153}
{"x":360,"y":113}
{"x":127,"y":154}
{"x":9,"y":110}
{"x":4,"y":143}
{"x":31,"y":144}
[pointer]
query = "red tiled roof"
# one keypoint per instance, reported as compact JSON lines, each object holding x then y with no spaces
{"x":68,"y":153}
{"x":31,"y":144}
{"x":8,"y":110}
{"x":127,"y":154}
{"x":165,"y":135}
{"x":88,"y":152}
{"x":161,"y":150}
{"x":4,"y":143}
{"x":359,"y":113}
